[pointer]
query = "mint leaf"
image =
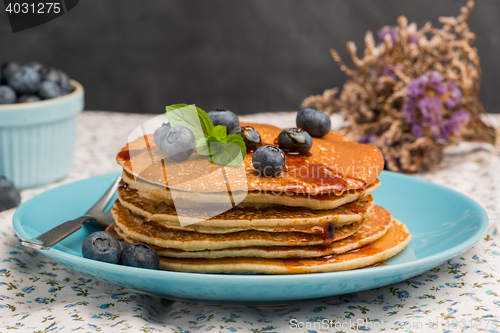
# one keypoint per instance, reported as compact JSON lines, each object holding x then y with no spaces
{"x":220,"y":133}
{"x":231,"y":153}
{"x":211,"y":141}
{"x":192,"y":117}
{"x":206,"y":146}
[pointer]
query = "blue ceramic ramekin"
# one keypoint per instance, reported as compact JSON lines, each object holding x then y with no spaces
{"x":37,"y":139}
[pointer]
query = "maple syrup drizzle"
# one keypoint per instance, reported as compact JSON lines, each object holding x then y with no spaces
{"x":325,"y":179}
{"x":367,"y":250}
{"x":125,"y":187}
{"x":329,"y":235}
{"x":124,"y":155}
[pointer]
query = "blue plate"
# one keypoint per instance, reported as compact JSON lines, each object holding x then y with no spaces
{"x":443,"y":223}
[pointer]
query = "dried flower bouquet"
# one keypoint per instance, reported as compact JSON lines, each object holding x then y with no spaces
{"x":414,"y":93}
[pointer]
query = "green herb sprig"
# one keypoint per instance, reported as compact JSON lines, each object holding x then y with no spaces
{"x":211,"y":141}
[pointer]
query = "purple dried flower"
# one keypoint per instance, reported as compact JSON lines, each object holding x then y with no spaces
{"x":388,"y":30}
{"x":454,"y":124}
{"x":459,"y":117}
{"x":409,"y":111}
{"x":430,"y":106}
{"x":414,"y":89}
{"x":368,"y":138}
{"x":417,"y":131}
{"x":436,"y":82}
{"x":455,"y":95}
{"x":388,"y":71}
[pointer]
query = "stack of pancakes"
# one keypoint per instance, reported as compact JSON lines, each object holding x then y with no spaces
{"x":317,"y":217}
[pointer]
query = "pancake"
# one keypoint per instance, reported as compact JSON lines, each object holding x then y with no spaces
{"x":333,"y":166}
{"x":373,"y":227}
{"x":272,"y":219}
{"x":278,"y":251}
{"x":153,"y":233}
{"x":160,"y":196}
{"x":253,"y":251}
{"x":394,"y":241}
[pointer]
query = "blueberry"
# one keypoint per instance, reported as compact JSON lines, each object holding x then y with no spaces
{"x":49,"y":90}
{"x":28,"y":99}
{"x":123,"y":245}
{"x":250,"y":136}
{"x":314,"y":122}
{"x":269,"y":161}
{"x":160,"y":133}
{"x":24,"y":80}
{"x":294,"y":140}
{"x":8,"y":68}
{"x":7,"y":95}
{"x":49,"y":74}
{"x":224,"y":118}
{"x":140,"y":255}
{"x":9,"y":195}
{"x":34,"y":65}
{"x":64,"y":82}
{"x":101,"y":246}
{"x":178,"y":143}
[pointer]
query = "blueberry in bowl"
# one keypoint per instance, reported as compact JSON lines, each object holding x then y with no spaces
{"x":294,"y":140}
{"x":8,"y":68}
{"x":49,"y":89}
{"x":7,"y":95}
{"x":28,"y":99}
{"x":225,"y":118}
{"x":24,"y":80}
{"x":37,"y":132}
{"x":34,"y":65}
{"x":269,"y":161}
{"x":250,"y":136}
{"x":314,"y":122}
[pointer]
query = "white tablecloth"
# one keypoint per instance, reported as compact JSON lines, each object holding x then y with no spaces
{"x":38,"y":295}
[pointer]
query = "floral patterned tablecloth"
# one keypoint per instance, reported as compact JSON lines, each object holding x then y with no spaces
{"x":38,"y":295}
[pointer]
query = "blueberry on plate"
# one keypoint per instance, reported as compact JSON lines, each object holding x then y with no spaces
{"x":269,"y":161}
{"x":160,"y":133}
{"x":225,"y":118}
{"x":28,"y":99}
{"x":24,"y":80}
{"x":295,"y":140}
{"x":9,"y":195}
{"x":49,"y":90}
{"x":141,"y":256}
{"x":250,"y":136}
{"x":101,"y":246}
{"x":7,"y":95}
{"x":314,"y":122}
{"x":178,"y":144}
{"x":8,"y":68}
{"x":123,"y":245}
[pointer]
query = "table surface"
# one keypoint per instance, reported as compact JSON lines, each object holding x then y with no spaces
{"x":38,"y":295}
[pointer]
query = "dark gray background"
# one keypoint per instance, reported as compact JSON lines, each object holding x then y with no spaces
{"x":248,"y":55}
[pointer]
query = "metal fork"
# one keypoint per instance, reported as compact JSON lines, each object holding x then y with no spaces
{"x":65,"y":229}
